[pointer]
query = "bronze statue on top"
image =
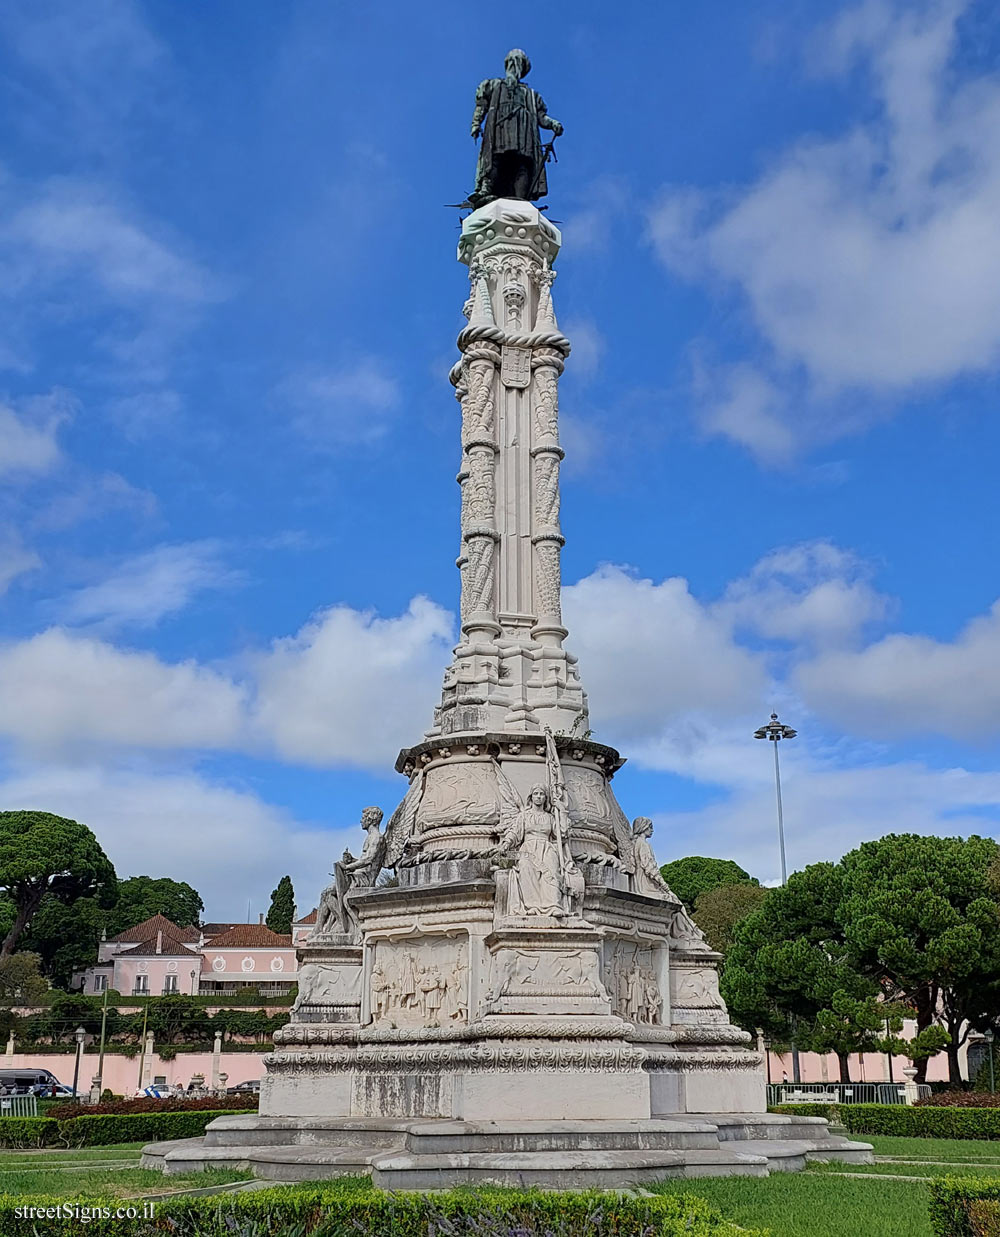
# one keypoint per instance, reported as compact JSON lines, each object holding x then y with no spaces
{"x":508,"y":116}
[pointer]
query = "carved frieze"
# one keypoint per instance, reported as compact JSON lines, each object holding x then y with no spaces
{"x":421,"y":983}
{"x":461,"y":793}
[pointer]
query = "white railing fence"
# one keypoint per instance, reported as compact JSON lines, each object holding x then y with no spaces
{"x":18,"y":1106}
{"x":840,"y":1092}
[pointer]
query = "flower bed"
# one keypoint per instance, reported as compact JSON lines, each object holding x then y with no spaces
{"x":241,"y":1101}
{"x":960,"y":1099}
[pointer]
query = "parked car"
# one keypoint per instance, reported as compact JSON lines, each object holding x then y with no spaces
{"x":253,"y":1085}
{"x":51,"y":1091}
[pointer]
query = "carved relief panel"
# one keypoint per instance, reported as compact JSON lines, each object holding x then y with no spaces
{"x":461,"y":793}
{"x":632,"y":979}
{"x":420,"y":983}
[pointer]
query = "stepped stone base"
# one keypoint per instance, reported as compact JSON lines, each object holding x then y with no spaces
{"x":438,"y":1154}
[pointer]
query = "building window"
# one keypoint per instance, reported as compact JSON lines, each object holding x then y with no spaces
{"x":170,"y":984}
{"x":141,"y":987}
{"x":100,"y":983}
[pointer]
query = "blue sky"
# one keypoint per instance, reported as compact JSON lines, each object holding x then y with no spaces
{"x":228,"y":517}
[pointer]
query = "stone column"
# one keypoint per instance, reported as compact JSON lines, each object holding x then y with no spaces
{"x":546,"y":534}
{"x":216,"y":1059}
{"x":478,"y":474}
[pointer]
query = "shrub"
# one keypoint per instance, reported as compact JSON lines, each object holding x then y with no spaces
{"x":103,"y":1131}
{"x":923,"y":1122}
{"x":960,"y":1099}
{"x":355,"y":1207}
{"x":28,"y":1131}
{"x":243,"y":1101}
{"x":965,"y":1207}
{"x":830,"y":1111}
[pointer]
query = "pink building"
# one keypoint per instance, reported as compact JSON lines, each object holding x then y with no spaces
{"x":157,"y":958}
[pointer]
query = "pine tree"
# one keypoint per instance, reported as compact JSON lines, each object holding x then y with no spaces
{"x":282,"y":910}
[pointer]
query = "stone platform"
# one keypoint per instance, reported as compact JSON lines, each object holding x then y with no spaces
{"x":437,"y":1154}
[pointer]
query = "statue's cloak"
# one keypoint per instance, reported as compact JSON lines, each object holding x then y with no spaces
{"x":510,"y":126}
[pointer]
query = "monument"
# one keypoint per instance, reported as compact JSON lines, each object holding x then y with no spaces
{"x":527,"y":1001}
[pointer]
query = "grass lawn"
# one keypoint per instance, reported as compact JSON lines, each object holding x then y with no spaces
{"x":815,"y":1204}
{"x":955,"y":1150}
{"x":63,"y":1155}
{"x":96,"y":1172}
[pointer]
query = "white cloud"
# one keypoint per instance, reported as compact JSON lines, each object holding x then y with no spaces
{"x":74,"y":228}
{"x":741,"y":403}
{"x":28,"y":436}
{"x":349,"y":689}
{"x":868,"y":260}
{"x":15,"y":558}
{"x":226,"y":841}
{"x":92,"y":497}
{"x":352,"y":688}
{"x":69,"y":692}
{"x":355,"y":404}
{"x":913,"y":684}
{"x":591,"y":226}
{"x":651,"y":653}
{"x":588,"y":346}
{"x":813,"y":593}
{"x":144,"y":589}
{"x":829,"y":808}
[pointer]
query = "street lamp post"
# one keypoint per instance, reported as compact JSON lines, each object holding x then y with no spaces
{"x":104,"y":1026}
{"x":988,"y":1036}
{"x":79,"y":1035}
{"x":776,"y":731}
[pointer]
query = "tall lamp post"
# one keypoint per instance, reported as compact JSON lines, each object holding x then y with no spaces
{"x":79,"y":1035}
{"x":776,"y":731}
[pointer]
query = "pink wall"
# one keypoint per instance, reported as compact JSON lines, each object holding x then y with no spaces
{"x":121,"y":1074}
{"x":233,"y":963}
{"x":871,"y":1067}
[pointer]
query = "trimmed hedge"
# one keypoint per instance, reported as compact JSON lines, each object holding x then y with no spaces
{"x":104,"y":1131}
{"x":28,"y":1131}
{"x":355,"y":1208}
{"x":901,"y":1120}
{"x":830,"y":1111}
{"x":965,"y":1207}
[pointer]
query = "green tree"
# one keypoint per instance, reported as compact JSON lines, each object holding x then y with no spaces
{"x":921,"y":914}
{"x":141,"y":897}
{"x":719,"y":910}
{"x":21,"y":984}
{"x":178,"y":1019}
{"x":41,"y":853}
{"x":282,"y":909}
{"x":65,"y":936}
{"x":695,"y":875}
{"x":790,"y":973}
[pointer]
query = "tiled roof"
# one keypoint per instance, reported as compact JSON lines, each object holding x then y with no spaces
{"x":310,"y":918}
{"x":214,"y":929}
{"x":250,"y":936}
{"x":169,"y":948}
{"x":147,"y":930}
